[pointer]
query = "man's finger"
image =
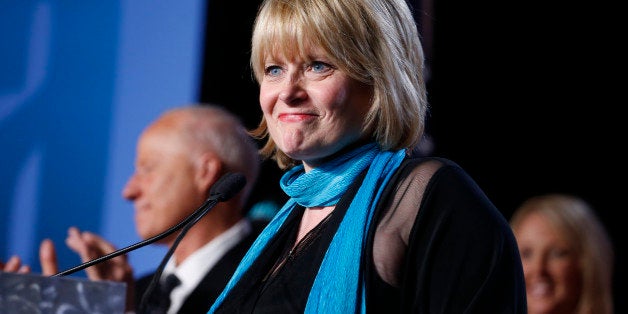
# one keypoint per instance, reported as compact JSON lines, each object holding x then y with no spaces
{"x":48,"y":258}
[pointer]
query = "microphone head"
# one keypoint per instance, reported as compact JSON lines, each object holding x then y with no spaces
{"x":227,"y":186}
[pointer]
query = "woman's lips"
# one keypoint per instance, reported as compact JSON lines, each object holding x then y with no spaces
{"x":295,"y":117}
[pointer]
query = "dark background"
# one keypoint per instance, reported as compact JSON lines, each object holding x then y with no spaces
{"x":522,"y":96}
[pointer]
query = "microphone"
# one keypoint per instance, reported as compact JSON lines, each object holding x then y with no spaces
{"x":225,"y":188}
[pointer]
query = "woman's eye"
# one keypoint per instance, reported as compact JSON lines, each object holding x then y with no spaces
{"x":273,"y":70}
{"x":560,"y":253}
{"x":318,"y":66}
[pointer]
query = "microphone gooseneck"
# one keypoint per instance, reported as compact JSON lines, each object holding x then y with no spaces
{"x":225,"y":188}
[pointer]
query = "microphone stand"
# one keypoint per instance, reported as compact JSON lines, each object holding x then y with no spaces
{"x":196,"y":215}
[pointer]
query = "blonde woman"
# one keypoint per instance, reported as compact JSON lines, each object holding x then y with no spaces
{"x":369,"y":226}
{"x":567,"y":256}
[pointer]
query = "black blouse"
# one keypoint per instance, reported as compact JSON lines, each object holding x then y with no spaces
{"x":436,"y":245}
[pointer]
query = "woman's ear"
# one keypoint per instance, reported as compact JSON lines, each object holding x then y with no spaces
{"x":210,"y":170}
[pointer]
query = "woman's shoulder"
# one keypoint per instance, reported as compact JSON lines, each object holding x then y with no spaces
{"x":419,"y":160}
{"x":424,"y":168}
{"x":445,"y":188}
{"x":440,"y":178}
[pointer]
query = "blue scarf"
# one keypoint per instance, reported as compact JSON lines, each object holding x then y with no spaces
{"x":338,"y":286}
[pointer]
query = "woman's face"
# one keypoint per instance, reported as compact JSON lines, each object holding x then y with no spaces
{"x":550,"y":265}
{"x":312,"y":108}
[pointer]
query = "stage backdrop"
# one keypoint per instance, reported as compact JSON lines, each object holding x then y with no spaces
{"x":78,"y":82}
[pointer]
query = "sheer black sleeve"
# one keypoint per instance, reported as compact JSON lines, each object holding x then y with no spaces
{"x":443,"y":246}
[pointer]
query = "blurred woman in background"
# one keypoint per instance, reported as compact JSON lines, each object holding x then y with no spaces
{"x":567,"y":256}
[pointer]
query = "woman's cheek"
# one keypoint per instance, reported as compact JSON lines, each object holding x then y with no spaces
{"x":266,"y":102}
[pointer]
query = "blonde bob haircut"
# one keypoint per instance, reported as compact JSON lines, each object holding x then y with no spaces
{"x":375,"y":42}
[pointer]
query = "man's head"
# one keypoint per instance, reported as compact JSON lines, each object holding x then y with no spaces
{"x":179,"y":157}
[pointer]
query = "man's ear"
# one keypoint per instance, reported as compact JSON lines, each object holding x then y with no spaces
{"x":210,"y":169}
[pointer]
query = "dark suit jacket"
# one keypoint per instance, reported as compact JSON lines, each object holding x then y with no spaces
{"x":208,"y":289}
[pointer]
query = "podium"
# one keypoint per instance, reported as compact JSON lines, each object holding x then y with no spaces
{"x":30,"y":293}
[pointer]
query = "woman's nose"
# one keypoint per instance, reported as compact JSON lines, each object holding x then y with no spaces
{"x":537,"y":265}
{"x":293,"y":91}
